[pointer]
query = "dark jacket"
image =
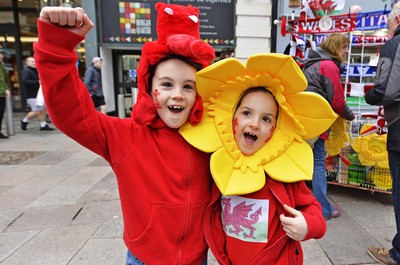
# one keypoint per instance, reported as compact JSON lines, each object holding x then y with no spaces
{"x":3,"y":80}
{"x":323,"y":76}
{"x":386,"y":89}
{"x":30,"y":81}
{"x":92,"y":81}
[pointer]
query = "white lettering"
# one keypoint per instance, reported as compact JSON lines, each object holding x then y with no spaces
{"x":143,"y":30}
{"x":143,"y":22}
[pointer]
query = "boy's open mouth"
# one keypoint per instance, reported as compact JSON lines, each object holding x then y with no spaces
{"x":176,"y":109}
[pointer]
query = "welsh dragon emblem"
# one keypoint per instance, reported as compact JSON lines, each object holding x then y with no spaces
{"x":238,"y":220}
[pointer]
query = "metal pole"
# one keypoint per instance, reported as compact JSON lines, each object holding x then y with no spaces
{"x":9,"y":117}
{"x":135,"y":92}
{"x":121,"y":105}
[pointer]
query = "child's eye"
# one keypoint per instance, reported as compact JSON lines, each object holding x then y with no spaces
{"x":188,"y":87}
{"x":266,"y":119}
{"x":246,"y":113}
{"x":167,"y":84}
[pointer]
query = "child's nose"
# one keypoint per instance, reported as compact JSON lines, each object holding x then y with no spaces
{"x":254,"y":123}
{"x":177,"y":94}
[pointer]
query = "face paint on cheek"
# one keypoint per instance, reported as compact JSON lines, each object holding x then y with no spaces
{"x":235,"y":125}
{"x":271,"y":132}
{"x":156,"y":94}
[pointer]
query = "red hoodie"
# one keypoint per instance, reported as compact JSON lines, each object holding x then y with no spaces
{"x":164,"y":183}
{"x":280,"y":249}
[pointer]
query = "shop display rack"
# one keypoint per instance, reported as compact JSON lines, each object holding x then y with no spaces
{"x":367,"y":33}
{"x":346,"y":169}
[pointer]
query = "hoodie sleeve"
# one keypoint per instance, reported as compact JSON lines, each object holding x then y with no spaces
{"x":67,"y":99}
{"x":311,"y":210}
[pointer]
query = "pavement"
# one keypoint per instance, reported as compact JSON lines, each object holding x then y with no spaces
{"x":59,"y":204}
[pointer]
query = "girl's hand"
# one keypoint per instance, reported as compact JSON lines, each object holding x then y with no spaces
{"x":295,"y":225}
{"x":72,"y":19}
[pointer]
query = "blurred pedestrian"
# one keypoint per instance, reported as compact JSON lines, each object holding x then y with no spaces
{"x":93,"y":83}
{"x":31,"y":84}
{"x":386,"y":93}
{"x":227,"y":53}
{"x":322,"y":70}
{"x":4,"y":91}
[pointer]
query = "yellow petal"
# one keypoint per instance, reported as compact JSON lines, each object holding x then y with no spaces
{"x":338,"y":137}
{"x":210,"y":79}
{"x":295,"y":164}
{"x":313,"y":112}
{"x":203,"y":136}
{"x":281,"y":67}
{"x":232,"y":181}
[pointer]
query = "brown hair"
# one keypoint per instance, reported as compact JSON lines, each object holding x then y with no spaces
{"x":334,"y":44}
{"x":251,"y":90}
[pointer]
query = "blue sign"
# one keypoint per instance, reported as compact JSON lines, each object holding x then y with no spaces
{"x":358,"y":69}
{"x":372,"y":20}
{"x":132,"y":73}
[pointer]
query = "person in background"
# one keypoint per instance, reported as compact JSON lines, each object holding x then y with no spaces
{"x":30,"y":81}
{"x":4,"y":91}
{"x":322,"y":69}
{"x":164,"y":183}
{"x":386,"y":92}
{"x":260,"y":159}
{"x":227,"y":53}
{"x":93,"y":83}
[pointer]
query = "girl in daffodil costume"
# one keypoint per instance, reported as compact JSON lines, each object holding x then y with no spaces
{"x":256,"y":118}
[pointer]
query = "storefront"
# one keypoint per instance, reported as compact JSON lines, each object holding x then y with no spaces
{"x":224,"y":23}
{"x":18,"y":32}
{"x":356,"y":150}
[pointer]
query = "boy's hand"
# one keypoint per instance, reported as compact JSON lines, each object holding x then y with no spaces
{"x":72,"y":19}
{"x":295,"y":225}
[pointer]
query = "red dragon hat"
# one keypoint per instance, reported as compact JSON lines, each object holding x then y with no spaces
{"x":178,"y":33}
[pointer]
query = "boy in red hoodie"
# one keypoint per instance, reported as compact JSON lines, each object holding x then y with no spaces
{"x":256,"y":121}
{"x":164,"y":183}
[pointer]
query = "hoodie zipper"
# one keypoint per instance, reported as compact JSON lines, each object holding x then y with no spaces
{"x":189,"y":158}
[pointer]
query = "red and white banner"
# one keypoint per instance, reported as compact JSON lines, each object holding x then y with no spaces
{"x":340,"y":23}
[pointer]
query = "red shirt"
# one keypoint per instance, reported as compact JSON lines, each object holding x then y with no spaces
{"x":250,"y":222}
{"x":280,"y":249}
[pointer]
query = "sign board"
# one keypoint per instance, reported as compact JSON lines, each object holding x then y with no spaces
{"x":134,"y":22}
{"x":364,"y":70}
{"x":372,"y":20}
{"x":132,"y":73}
{"x":216,"y":20}
{"x":341,"y":23}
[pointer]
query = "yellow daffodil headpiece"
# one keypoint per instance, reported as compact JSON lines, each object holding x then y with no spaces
{"x":286,"y":157}
{"x":338,"y":137}
{"x":371,"y":148}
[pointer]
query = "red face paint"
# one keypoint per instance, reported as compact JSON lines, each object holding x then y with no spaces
{"x":271,"y":131}
{"x":235,"y":124}
{"x":156,"y":93}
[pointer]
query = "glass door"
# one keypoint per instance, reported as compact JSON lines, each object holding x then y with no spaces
{"x":125,"y":76}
